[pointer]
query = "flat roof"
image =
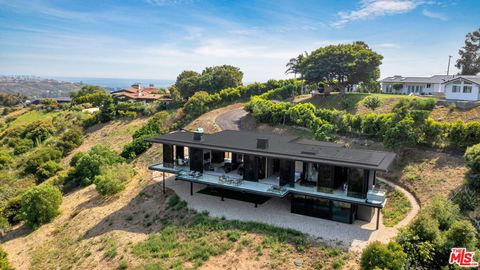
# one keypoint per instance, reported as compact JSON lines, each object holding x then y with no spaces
{"x":282,"y":146}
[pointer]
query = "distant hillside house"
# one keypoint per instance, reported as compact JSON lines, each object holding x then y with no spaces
{"x":415,"y":85}
{"x":137,"y":93}
{"x":463,"y":88}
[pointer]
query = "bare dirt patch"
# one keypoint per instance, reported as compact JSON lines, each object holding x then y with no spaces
{"x":444,"y":114}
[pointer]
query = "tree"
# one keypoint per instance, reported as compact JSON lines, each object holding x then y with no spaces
{"x":372,"y":102}
{"x":293,"y":65}
{"x":469,"y":61}
{"x":214,"y":79}
{"x":342,"y":65}
{"x":107,"y":110}
{"x":187,"y":83}
{"x":444,"y":211}
{"x":86,"y":90}
{"x":40,"y":205}
{"x":383,"y":256}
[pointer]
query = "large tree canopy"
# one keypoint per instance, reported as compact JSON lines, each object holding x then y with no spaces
{"x":341,"y":65}
{"x":212,"y":79}
{"x":469,"y":61}
{"x":187,"y":83}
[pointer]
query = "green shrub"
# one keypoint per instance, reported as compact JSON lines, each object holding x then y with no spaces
{"x":472,"y":158}
{"x":444,"y":211}
{"x":113,"y":178}
{"x":39,"y":156}
{"x":4,"y":263}
{"x":347,"y":104}
{"x":11,"y":211}
{"x":383,"y":256}
{"x":48,"y":169}
{"x":21,"y":146}
{"x":40,"y":205}
{"x":401,"y":134}
{"x":461,"y":234}
{"x":425,"y":104}
{"x":466,"y":198}
{"x":372,"y":102}
{"x":39,"y":131}
{"x":88,"y":166}
{"x":69,"y":140}
{"x":127,"y":114}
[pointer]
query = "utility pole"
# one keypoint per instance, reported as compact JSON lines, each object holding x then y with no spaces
{"x":448,"y":68}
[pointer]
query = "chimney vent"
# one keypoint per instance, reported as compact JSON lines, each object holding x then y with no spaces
{"x":198,"y":134}
{"x":262,"y":143}
{"x":136,"y":85}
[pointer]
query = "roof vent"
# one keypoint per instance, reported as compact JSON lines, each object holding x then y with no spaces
{"x":262,"y":143}
{"x":308,"y":153}
{"x":198,"y":134}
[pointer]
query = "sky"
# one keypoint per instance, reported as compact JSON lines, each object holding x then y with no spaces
{"x":157,"y":39}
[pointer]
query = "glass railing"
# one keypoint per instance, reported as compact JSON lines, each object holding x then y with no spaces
{"x":374,"y":196}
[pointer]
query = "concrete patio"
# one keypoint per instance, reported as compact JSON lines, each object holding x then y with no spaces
{"x":276,"y":211}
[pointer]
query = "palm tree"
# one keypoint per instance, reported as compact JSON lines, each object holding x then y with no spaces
{"x":293,"y":66}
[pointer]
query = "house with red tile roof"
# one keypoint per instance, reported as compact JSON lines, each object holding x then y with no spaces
{"x":139,"y":94}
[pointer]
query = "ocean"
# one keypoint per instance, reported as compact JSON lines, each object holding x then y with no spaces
{"x":116,"y":83}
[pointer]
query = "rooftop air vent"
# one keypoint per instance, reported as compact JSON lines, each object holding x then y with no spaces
{"x":262,"y":143}
{"x":198,"y":134}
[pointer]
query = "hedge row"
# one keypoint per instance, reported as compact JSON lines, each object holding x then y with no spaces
{"x":202,"y":102}
{"x":402,"y":128}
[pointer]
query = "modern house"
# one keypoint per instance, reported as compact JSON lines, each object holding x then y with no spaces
{"x":321,"y":179}
{"x":415,"y":85}
{"x":137,"y":93}
{"x":463,"y":87}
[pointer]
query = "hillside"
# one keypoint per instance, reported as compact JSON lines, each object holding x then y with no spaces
{"x":354,"y":104}
{"x":35,"y":87}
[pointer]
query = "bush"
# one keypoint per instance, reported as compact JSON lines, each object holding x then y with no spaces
{"x":48,"y":169}
{"x":21,"y":146}
{"x":4,"y":264}
{"x":472,"y":158}
{"x":383,"y":256}
{"x":444,"y":211}
{"x":401,"y":134}
{"x":39,"y":156}
{"x":40,"y":205}
{"x":466,"y":198}
{"x":113,"y":178}
{"x":69,"y":140}
{"x":425,"y":104}
{"x":88,"y":166}
{"x":372,"y":102}
{"x":126,"y":114}
{"x":461,"y":234}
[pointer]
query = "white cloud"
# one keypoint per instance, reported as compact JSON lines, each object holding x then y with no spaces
{"x":370,"y":9}
{"x":434,"y":15}
{"x":386,"y":45}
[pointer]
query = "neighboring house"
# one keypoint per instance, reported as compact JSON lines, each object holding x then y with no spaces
{"x":60,"y":100}
{"x":463,"y":87}
{"x":321,"y":179}
{"x":415,"y":85}
{"x":137,"y":93}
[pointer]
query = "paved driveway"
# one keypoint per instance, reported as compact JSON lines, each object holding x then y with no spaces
{"x":230,"y":120}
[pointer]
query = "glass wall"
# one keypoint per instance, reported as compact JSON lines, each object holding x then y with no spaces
{"x":325,"y":179}
{"x":322,"y":208}
{"x":357,"y":183}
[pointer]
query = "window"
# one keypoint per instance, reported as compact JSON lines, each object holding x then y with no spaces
{"x":429,"y":85}
{"x":467,"y":89}
{"x":456,"y":88}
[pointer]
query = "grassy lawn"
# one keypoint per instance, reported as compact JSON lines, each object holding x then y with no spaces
{"x":396,"y":209}
{"x":30,"y":117}
{"x":354,"y":101}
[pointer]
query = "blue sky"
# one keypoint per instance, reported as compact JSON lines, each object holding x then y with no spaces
{"x":157,"y":39}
